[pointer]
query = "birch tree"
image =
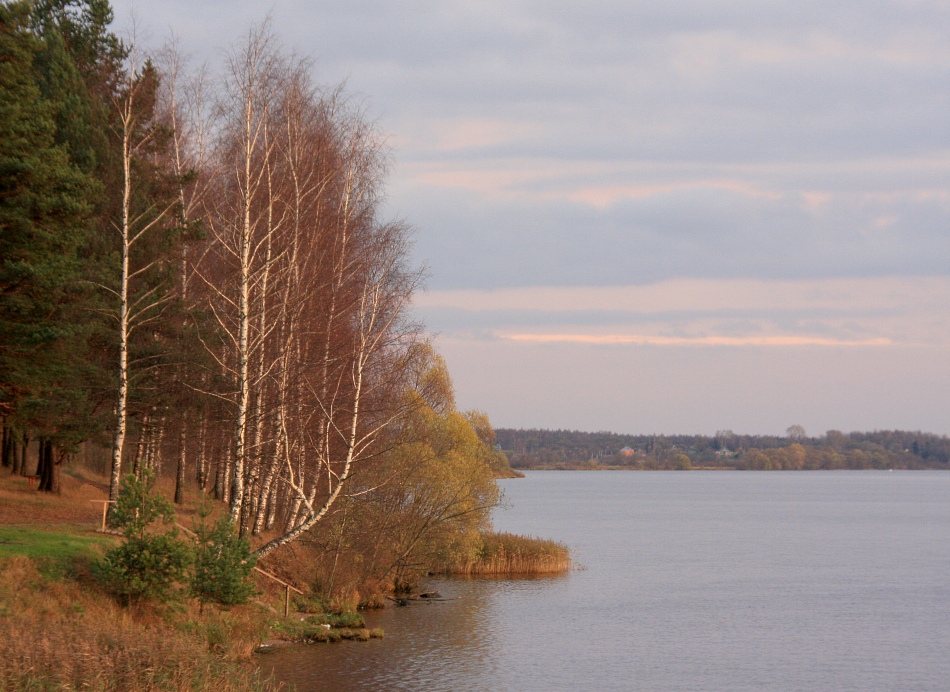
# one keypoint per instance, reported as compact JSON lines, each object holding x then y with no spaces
{"x":358,"y":402}
{"x":307,"y":288}
{"x":138,"y":134}
{"x":184,"y":102}
{"x":242,"y":234}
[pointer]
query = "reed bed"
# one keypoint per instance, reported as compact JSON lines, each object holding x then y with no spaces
{"x":59,"y":634}
{"x":503,"y":554}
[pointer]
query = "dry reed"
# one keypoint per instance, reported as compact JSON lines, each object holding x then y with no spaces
{"x":509,"y":554}
{"x":64,"y":635}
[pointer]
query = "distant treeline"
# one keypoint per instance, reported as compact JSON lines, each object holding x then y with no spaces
{"x":572,"y":449}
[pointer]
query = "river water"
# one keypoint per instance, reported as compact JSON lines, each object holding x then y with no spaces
{"x":691,"y":581}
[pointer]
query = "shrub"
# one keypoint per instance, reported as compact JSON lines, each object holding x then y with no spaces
{"x":137,"y":506}
{"x":145,"y":568}
{"x":147,"y":565}
{"x":337,"y":620}
{"x":223,"y":565}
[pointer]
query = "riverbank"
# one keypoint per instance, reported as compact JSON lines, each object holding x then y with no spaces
{"x":63,"y":630}
{"x":576,"y":450}
{"x":587,"y":466}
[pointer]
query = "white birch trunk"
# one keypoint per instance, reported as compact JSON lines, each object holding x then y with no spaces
{"x":118,"y":439}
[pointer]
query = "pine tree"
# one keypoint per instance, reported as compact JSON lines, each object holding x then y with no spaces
{"x":149,"y":563}
{"x":224,"y":564}
{"x":44,"y":214}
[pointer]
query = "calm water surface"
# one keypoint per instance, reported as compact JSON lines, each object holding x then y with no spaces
{"x":692,"y":581}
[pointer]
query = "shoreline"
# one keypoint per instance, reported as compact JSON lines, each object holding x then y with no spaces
{"x":708,"y":468}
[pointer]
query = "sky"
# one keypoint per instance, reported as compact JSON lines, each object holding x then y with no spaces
{"x":655,"y":217}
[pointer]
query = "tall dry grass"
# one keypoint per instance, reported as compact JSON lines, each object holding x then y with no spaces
{"x":509,"y":554}
{"x":63,"y":634}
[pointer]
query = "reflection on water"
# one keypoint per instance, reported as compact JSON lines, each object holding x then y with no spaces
{"x":450,"y":644}
{"x":693,"y":581}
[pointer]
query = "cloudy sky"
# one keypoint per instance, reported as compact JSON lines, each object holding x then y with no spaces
{"x":652,"y":216}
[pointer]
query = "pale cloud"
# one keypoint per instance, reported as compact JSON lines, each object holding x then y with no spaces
{"x":461,"y":134}
{"x":769,"y":182}
{"x":651,"y":340}
{"x":817,"y":200}
{"x":851,"y":295}
{"x":604,"y":183}
{"x":522,"y":238}
{"x":604,"y":197}
{"x":656,"y":389}
{"x":496,"y":183}
{"x":702,"y":53}
{"x":882,"y":312}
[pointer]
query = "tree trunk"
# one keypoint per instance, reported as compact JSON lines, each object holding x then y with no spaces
{"x":313,"y":516}
{"x":180,"y":476}
{"x":56,"y":465}
{"x":44,"y":465}
{"x":272,"y":508}
{"x":7,"y":438}
{"x":202,"y":465}
{"x":155,"y":456}
{"x":218,"y":478}
{"x":118,"y":438}
{"x":140,"y":448}
{"x":14,"y":454}
{"x":264,"y":495}
{"x":25,"y":443}
{"x":128,"y":111}
{"x":148,"y":447}
{"x":40,"y":459}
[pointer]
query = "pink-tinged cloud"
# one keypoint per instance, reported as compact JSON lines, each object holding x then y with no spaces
{"x":902,"y":295}
{"x":605,"y":196}
{"x":455,"y":134}
{"x":651,"y":340}
{"x":602,"y":183}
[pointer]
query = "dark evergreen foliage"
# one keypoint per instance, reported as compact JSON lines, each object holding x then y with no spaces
{"x":44,"y":213}
{"x":149,"y":564}
{"x":224,"y":565}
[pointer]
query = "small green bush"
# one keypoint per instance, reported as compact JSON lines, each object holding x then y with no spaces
{"x":137,"y":507}
{"x":224,"y":565}
{"x":147,"y":565}
{"x":145,"y":568}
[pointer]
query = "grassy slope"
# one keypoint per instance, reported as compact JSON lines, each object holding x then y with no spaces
{"x":62,"y":632}
{"x":52,"y":542}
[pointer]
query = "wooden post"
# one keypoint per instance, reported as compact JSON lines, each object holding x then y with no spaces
{"x":105,"y":511}
{"x":287,"y":589}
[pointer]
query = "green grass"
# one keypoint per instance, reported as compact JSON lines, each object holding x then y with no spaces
{"x":327,"y":627}
{"x":56,"y":544}
{"x":337,"y":620}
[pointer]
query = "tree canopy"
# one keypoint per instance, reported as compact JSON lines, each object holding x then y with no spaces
{"x":196,"y":276}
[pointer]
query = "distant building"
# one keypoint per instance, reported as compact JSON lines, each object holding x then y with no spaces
{"x":627,"y":451}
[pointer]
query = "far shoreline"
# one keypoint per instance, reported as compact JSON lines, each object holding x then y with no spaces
{"x":698,"y":468}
